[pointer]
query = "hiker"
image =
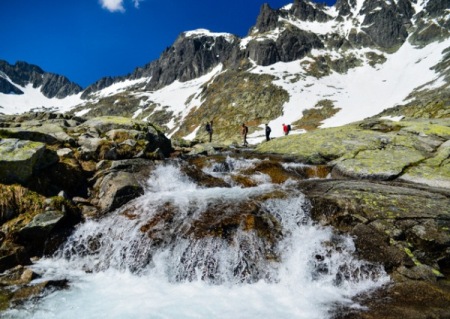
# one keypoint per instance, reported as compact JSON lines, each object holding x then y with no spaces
{"x":244,"y":131}
{"x":286,"y":129}
{"x":268,"y":130}
{"x":209,"y":129}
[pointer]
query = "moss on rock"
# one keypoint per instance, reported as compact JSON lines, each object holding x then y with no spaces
{"x":383,"y":164}
{"x":18,"y":159}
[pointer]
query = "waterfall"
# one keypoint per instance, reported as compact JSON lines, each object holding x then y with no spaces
{"x":186,"y":251}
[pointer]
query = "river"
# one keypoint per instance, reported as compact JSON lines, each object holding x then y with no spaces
{"x":184,"y":250}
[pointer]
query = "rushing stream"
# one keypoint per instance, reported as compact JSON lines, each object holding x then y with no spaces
{"x":183,"y":250}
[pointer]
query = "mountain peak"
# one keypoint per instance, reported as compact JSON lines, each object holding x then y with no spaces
{"x":22,"y":73}
{"x":198,"y":33}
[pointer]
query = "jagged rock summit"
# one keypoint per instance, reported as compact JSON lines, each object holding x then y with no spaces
{"x":307,"y":64}
{"x":14,"y":78}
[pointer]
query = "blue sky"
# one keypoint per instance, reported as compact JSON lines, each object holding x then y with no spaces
{"x":86,"y":40}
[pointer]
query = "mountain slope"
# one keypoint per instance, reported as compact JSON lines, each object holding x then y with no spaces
{"x":306,"y":64}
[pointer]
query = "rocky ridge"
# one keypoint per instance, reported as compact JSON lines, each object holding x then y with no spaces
{"x":13,"y":77}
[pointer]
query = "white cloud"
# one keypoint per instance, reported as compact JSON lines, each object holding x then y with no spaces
{"x":117,"y":5}
{"x":113,"y":5}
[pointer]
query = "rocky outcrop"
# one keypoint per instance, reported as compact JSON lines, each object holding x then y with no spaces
{"x":291,"y":45}
{"x":21,"y":278}
{"x":411,"y":150}
{"x":118,"y":182}
{"x":7,"y":87}
{"x":385,"y":23}
{"x":19,"y":159}
{"x":404,"y":227}
{"x":56,"y":170}
{"x":391,"y":194}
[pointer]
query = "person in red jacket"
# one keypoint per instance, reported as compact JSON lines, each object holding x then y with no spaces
{"x":285,"y":129}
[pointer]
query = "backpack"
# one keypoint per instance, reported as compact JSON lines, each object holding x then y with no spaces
{"x":289,"y":128}
{"x":208,"y":128}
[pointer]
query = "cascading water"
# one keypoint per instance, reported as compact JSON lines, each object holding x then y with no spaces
{"x":186,"y":251}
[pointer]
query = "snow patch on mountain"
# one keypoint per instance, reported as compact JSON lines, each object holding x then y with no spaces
{"x":33,"y":99}
{"x":313,"y":26}
{"x":120,"y":87}
{"x":361,"y":92}
{"x":206,"y":33}
{"x":179,"y":97}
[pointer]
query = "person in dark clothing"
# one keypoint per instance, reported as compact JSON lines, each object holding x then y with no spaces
{"x":268,"y":130}
{"x":209,"y":129}
{"x":244,"y":132}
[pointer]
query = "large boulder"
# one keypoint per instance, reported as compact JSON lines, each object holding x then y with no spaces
{"x":12,"y":255}
{"x":404,"y":227}
{"x":434,"y":171}
{"x":413,"y":218}
{"x":19,"y":159}
{"x":121,"y":126}
{"x":118,"y":182}
{"x":383,"y":164}
{"x":39,"y":131}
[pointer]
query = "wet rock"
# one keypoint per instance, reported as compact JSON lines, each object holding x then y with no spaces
{"x":116,"y":189}
{"x":12,"y":255}
{"x":395,"y":224}
{"x":47,"y":230}
{"x":231,"y":223}
{"x":408,"y":299}
{"x":202,"y":178}
{"x":375,"y":246}
{"x":41,"y":225}
{"x":18,"y":275}
{"x":404,"y":227}
{"x":37,"y":290}
{"x":206,"y":149}
{"x":274,"y":169}
{"x":118,"y":182}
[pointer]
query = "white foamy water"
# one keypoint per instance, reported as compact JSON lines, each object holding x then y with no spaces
{"x":118,"y":268}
